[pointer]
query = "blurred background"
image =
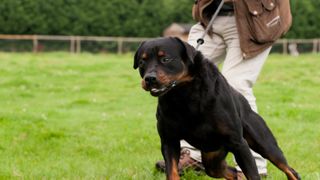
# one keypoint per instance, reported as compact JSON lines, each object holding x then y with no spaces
{"x":118,"y":26}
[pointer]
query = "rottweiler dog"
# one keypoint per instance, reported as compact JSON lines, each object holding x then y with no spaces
{"x":195,"y":103}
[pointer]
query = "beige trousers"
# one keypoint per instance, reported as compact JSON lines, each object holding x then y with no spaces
{"x":223,"y":47}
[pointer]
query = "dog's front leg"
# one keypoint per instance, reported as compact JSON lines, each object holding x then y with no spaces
{"x":171,"y":153}
{"x":244,"y":158}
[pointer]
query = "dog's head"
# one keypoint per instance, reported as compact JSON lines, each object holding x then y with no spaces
{"x":164,"y":63}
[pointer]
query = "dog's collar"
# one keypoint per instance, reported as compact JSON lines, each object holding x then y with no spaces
{"x":173,"y":84}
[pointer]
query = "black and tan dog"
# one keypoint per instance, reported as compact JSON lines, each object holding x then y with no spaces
{"x":195,"y":103}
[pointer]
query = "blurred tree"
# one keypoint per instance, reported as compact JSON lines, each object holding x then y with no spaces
{"x":12,"y":18}
{"x":305,"y":19}
{"x":180,"y":11}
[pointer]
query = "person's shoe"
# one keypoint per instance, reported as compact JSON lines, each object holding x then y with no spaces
{"x":185,"y":163}
{"x":240,"y":176}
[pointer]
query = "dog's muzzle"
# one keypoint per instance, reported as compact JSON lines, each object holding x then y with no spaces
{"x":150,"y":83}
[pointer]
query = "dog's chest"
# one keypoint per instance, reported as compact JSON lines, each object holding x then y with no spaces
{"x":188,"y":123}
{"x":204,"y":137}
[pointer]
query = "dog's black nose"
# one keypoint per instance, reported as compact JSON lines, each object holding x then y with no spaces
{"x":150,"y":80}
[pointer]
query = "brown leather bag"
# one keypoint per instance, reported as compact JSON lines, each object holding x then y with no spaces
{"x":269,"y":19}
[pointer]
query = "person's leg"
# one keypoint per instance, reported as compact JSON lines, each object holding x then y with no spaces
{"x":213,"y":49}
{"x":242,"y":75}
{"x":194,"y":153}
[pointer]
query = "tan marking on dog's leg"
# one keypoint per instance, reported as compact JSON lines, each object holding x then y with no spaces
{"x":174,"y":173}
{"x":288,"y":172}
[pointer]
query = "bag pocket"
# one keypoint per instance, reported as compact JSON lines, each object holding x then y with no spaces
{"x":264,"y":20}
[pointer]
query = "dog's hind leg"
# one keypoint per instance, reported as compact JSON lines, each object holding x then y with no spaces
{"x":262,"y":141}
{"x":275,"y":155}
{"x":216,"y":166}
{"x":272,"y":152}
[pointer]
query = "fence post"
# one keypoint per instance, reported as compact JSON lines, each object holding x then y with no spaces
{"x":285,"y":46}
{"x":78,"y":44}
{"x":35,"y":43}
{"x":72,"y":44}
{"x":315,"y":46}
{"x":120,"y":45}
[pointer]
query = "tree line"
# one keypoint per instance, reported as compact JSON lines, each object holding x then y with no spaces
{"x":133,"y":18}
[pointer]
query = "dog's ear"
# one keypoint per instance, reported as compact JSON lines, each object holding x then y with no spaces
{"x":136,"y":56}
{"x":190,"y":51}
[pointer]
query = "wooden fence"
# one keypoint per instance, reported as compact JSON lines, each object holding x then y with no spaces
{"x":75,"y":41}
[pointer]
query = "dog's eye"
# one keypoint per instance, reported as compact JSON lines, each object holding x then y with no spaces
{"x":141,"y":63}
{"x":165,"y":60}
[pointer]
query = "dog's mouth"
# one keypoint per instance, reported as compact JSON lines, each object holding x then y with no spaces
{"x":162,"y":90}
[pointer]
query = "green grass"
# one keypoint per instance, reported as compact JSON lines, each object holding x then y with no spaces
{"x":65,"y":116}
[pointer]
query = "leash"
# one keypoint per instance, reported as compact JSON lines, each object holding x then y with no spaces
{"x":200,"y":41}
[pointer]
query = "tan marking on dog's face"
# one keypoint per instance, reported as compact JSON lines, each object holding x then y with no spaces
{"x":166,"y":79}
{"x":144,"y":56}
{"x":143,"y":84}
{"x":163,"y":78}
{"x":161,"y":53}
{"x":184,"y":77}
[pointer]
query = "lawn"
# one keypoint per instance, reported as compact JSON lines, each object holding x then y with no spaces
{"x":65,"y":116}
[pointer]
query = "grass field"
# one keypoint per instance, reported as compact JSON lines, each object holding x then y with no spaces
{"x":65,"y":116}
